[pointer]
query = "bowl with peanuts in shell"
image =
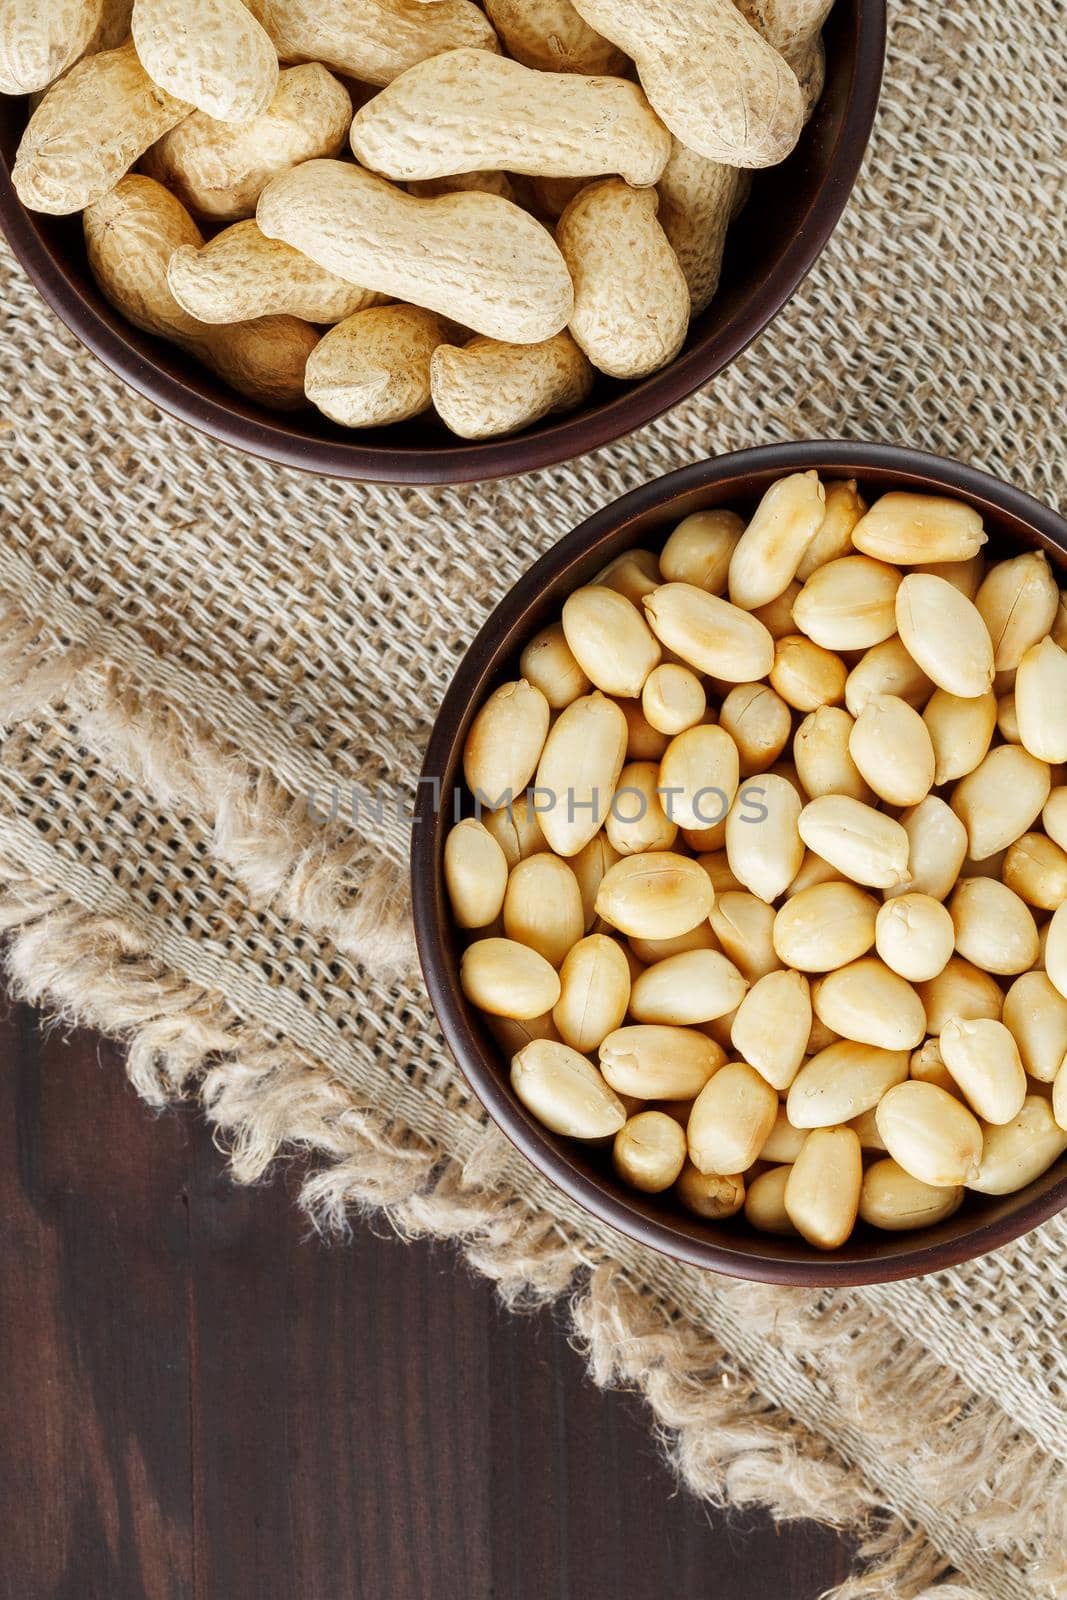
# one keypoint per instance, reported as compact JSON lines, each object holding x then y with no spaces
{"x":740,"y":862}
{"x":427,"y":240}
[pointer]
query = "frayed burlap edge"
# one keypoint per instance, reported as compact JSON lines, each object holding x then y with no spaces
{"x":329,"y":879}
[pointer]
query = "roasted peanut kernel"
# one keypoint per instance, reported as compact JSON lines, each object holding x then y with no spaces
{"x":824,"y":761}
{"x":867,"y":1002}
{"x":1041,"y":701}
{"x":930,"y":1134}
{"x":589,"y":867}
{"x":822,"y":1192}
{"x":966,"y":576}
{"x":649,"y":1151}
{"x":548,"y":663}
{"x":712,"y":1195}
{"x":1056,"y":950}
{"x":504,"y":743}
{"x":769,"y":551}
{"x":849,"y":604}
{"x":937,"y":848}
{"x":699,"y":550}
{"x":579,"y":768}
{"x":659,"y":1063}
{"x":692,"y":987}
{"x":825,"y":927}
{"x":887,"y":669}
{"x":844,"y":508}
{"x":994,"y":928}
{"x":765,"y":1202}
{"x":1054,"y":817}
{"x":960,"y":732}
{"x":610,"y":640}
{"x":813,"y":871}
{"x":565,"y":1091}
{"x":643,"y":741}
{"x":945,"y":634}
{"x":777,"y":614}
{"x":784,"y":1142}
{"x":699,"y":776}
{"x":915,"y":936}
{"x":508,"y":979}
{"x":543,"y":906}
{"x":476,"y":874}
{"x":709,"y":633}
{"x":759,"y":723}
{"x":927,"y":1066}
{"x":959,"y":990}
{"x":907,"y":528}
{"x":1036,"y":869}
{"x":673,"y":698}
{"x":863,"y":844}
{"x":1018,"y":601}
{"x":655,"y":896}
{"x":842,"y":1082}
{"x":805,"y":675}
{"x":651,"y":951}
{"x":594,"y":992}
{"x":1000,"y":800}
{"x":634,"y":574}
{"x":637,"y":821}
{"x":730,"y":1120}
{"x":891,"y":747}
{"x":892,"y":1199}
{"x":1016,"y":1153}
{"x":1036,"y":1014}
{"x":763,"y":846}
{"x":984,"y":1061}
{"x":516,"y":830}
{"x":772,"y":1025}
{"x":744,"y":927}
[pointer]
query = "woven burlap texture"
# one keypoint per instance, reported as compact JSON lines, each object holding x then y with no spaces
{"x":192,"y":641}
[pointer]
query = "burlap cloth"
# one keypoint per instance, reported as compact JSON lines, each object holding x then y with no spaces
{"x":192,"y":641}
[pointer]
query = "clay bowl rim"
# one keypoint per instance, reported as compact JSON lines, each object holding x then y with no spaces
{"x":534,"y":600}
{"x":183,"y":391}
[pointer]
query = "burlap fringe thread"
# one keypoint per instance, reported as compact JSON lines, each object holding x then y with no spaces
{"x":267,"y":1101}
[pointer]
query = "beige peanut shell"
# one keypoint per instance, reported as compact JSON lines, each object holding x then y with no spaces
{"x":468,"y":109}
{"x":130,"y":235}
{"x":219,"y":170}
{"x":240,"y":274}
{"x":113,"y":28}
{"x":486,"y":388}
{"x":696,"y":199}
{"x":89,"y":130}
{"x":550,"y":35}
{"x":631,"y":300}
{"x":372,"y":40}
{"x":789,"y":26}
{"x":374,"y":368}
{"x":212,"y":53}
{"x":719,"y":87}
{"x":474,"y":258}
{"x":40,"y":39}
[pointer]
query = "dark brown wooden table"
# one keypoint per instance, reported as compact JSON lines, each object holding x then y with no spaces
{"x":200,"y":1402}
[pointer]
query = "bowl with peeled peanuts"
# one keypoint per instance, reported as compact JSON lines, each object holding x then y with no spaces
{"x":740,"y":864}
{"x":427,"y":240}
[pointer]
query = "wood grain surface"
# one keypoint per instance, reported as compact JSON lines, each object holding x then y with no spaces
{"x":200,"y":1402}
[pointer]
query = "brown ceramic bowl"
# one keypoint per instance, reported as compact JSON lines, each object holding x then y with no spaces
{"x":791,"y":214}
{"x":644,"y":518}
